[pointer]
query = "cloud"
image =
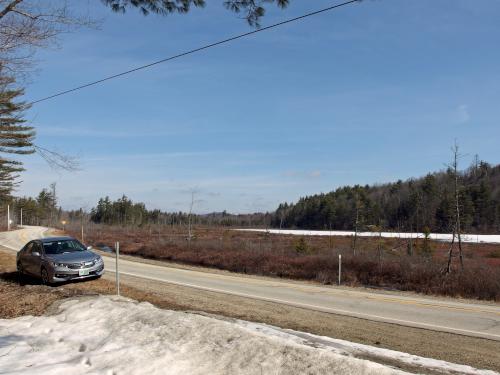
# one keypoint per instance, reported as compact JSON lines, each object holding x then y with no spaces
{"x":60,"y":131}
{"x":302,"y":174}
{"x":315,"y":174}
{"x":462,"y":113}
{"x":290,"y":173}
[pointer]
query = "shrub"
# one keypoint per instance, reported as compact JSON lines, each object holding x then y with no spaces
{"x":301,"y":246}
{"x":426,"y":247}
{"x":494,"y":254}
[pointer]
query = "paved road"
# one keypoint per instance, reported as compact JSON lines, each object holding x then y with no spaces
{"x":480,"y":320}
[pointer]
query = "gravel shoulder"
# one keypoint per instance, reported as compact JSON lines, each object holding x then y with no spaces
{"x":27,"y":297}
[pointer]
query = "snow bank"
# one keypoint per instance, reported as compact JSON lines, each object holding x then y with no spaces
{"x":112,"y":336}
{"x":471,"y":238}
{"x":364,"y":351}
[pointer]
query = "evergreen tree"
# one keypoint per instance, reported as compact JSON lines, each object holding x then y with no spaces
{"x":15,"y":136}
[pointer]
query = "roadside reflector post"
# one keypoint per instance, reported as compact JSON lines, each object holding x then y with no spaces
{"x":8,"y":217}
{"x":340,"y":266}
{"x":117,"y":252}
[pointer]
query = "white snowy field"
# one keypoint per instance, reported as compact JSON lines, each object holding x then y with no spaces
{"x":470,"y":238}
{"x":114,"y":335}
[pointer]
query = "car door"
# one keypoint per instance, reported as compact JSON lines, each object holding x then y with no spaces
{"x":25,"y":257}
{"x":36,"y":260}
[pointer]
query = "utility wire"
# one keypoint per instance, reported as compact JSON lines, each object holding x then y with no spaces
{"x":196,"y":50}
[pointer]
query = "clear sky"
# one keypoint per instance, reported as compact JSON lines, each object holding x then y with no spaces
{"x":371,"y":92}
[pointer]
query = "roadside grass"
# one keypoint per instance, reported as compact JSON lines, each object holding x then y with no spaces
{"x":378,"y":263}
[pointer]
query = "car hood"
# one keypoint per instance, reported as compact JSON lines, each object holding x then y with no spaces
{"x":74,"y":257}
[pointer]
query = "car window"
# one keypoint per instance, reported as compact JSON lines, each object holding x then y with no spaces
{"x":63,"y":246}
{"x":28,"y":248}
{"x":36,"y":247}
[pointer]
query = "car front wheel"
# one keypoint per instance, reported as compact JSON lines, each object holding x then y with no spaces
{"x":45,"y":277}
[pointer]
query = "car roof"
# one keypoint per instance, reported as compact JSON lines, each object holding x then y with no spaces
{"x":52,"y":239}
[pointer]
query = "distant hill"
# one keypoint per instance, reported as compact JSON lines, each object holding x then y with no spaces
{"x":411,"y":205}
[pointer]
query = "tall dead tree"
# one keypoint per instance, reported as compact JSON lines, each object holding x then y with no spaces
{"x":356,"y":224}
{"x":190,"y":221}
{"x":456,"y":231}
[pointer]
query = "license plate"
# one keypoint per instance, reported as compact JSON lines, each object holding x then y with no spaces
{"x":83,"y":272}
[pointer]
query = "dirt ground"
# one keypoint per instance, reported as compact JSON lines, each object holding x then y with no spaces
{"x":22,"y":296}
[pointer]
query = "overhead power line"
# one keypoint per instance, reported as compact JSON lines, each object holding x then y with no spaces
{"x":207,"y":46}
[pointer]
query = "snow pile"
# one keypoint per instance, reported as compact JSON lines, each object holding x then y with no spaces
{"x":113,"y":335}
{"x":364,"y":351}
{"x":470,"y":238}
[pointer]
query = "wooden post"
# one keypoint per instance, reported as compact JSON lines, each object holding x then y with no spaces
{"x":81,"y":222}
{"x":340,"y":266}
{"x":117,"y":251}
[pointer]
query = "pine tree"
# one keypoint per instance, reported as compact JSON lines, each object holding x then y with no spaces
{"x":9,"y":170}
{"x":15,"y":136}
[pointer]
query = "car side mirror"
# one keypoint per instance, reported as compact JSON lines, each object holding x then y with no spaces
{"x":35,"y":253}
{"x":89,"y":247}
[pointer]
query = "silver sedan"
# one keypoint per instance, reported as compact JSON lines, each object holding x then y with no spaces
{"x":59,"y":259}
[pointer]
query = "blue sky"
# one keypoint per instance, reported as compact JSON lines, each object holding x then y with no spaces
{"x":371,"y":92}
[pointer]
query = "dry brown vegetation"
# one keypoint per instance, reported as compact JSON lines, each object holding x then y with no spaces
{"x":24,"y":295}
{"x":381,"y":263}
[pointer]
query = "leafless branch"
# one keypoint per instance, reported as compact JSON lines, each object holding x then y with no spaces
{"x":26,"y":25}
{"x":58,"y":161}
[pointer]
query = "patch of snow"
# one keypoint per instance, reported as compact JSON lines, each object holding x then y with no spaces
{"x":115,"y":335}
{"x":360,"y":350}
{"x":470,"y":238}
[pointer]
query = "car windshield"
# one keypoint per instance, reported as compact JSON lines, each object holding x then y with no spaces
{"x":63,"y":246}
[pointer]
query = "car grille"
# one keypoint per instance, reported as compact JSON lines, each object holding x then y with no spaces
{"x":75,"y":276}
{"x":76,"y":266}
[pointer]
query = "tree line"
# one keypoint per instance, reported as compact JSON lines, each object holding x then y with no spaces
{"x":123,"y":211}
{"x":425,"y":204}
{"x":40,"y":210}
{"x":418,"y":205}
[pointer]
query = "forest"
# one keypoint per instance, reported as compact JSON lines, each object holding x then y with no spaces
{"x":418,"y":205}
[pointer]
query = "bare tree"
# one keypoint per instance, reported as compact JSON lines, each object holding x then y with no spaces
{"x":356,"y":224}
{"x":190,"y":215}
{"x":26,"y":25}
{"x":456,"y":220}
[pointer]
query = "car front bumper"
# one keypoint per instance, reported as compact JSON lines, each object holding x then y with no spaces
{"x":65,"y":274}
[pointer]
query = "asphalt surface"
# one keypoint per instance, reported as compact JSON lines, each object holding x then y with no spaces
{"x":447,"y":315}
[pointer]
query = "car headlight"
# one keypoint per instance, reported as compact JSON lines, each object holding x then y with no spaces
{"x":98,"y":261}
{"x":61,"y":265}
